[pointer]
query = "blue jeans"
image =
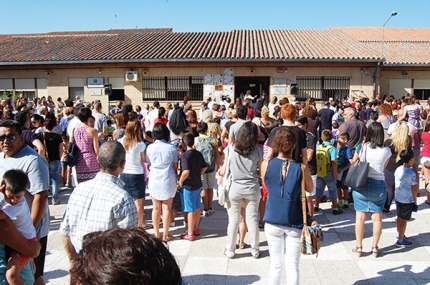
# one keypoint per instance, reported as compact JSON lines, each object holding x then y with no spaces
{"x":331,"y":185}
{"x":54,"y":175}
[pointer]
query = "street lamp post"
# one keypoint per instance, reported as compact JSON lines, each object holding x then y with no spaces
{"x":382,"y":55}
{"x":383,"y":27}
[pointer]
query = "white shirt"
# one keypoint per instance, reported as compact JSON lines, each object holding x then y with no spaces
{"x":151,"y":118}
{"x":73,"y":124}
{"x":376,"y":157}
{"x":133,"y":161}
{"x":20,"y":216}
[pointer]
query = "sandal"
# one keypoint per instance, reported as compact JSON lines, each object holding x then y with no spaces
{"x":168,"y":238}
{"x":375,"y":251}
{"x":358,"y":250}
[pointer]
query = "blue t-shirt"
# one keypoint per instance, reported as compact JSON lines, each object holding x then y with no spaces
{"x":404,"y":178}
{"x":344,"y":154}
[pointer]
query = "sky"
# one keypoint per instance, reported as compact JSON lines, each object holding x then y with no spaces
{"x":41,"y":16}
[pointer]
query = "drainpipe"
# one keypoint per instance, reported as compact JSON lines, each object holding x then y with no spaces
{"x":374,"y":79}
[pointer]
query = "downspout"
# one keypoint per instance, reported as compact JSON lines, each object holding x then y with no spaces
{"x":374,"y":79}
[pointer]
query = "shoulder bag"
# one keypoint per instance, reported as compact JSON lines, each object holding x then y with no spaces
{"x":46,"y":157}
{"x":224,"y":187}
{"x":312,"y":235}
{"x":358,"y":172}
{"x":72,"y":156}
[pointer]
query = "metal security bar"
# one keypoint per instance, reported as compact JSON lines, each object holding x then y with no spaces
{"x":172,"y":88}
{"x":322,"y":88}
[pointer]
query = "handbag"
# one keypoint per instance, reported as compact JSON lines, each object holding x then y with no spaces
{"x":312,"y":235}
{"x":358,"y":172}
{"x":72,"y":155}
{"x":224,"y":187}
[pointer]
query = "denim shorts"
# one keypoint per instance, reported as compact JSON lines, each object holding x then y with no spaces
{"x":331,"y":185}
{"x":134,"y":184}
{"x":208,"y":180}
{"x":340,"y":182}
{"x":372,"y":198}
{"x":191,"y":200}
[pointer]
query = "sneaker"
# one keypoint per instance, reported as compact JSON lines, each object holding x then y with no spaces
{"x":255,"y":253}
{"x":228,"y":253}
{"x":316,"y":209}
{"x":404,"y":243}
{"x":187,"y":236}
{"x":404,"y":237}
{"x":210,"y":212}
{"x":205,"y":213}
{"x":337,"y":212}
{"x":196,"y":232}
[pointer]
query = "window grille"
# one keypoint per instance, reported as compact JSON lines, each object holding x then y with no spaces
{"x":322,"y":88}
{"x":172,"y":88}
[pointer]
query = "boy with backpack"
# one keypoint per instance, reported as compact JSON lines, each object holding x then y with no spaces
{"x":405,"y":195}
{"x":208,"y":147}
{"x":344,"y":155}
{"x":326,"y":171}
{"x":193,"y":166}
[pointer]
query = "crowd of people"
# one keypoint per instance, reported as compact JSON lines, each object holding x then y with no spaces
{"x":260,"y":149}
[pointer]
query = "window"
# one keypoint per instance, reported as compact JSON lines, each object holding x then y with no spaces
{"x":172,"y":88}
{"x":320,"y":87}
{"x":76,"y":88}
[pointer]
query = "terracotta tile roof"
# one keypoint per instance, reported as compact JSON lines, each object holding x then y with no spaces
{"x":402,"y":46}
{"x":165,"y":45}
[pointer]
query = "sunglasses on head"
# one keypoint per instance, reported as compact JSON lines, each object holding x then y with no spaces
{"x":10,"y":138}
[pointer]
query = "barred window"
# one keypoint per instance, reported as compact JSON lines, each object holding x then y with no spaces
{"x":172,"y":88}
{"x":322,"y":88}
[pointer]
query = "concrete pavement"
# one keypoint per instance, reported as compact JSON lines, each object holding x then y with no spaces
{"x":203,"y":262}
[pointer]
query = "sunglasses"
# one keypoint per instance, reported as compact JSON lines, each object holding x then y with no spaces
{"x":10,"y":138}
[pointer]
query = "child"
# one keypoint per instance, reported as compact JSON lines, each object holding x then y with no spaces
{"x":208,"y":147}
{"x":334,"y":133}
{"x":193,"y":166}
{"x":110,"y":128}
{"x":405,"y":195}
{"x":344,"y":154}
{"x":327,"y":172}
{"x":15,"y":208}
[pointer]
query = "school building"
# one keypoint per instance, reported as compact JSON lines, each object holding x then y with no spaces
{"x":143,"y":65}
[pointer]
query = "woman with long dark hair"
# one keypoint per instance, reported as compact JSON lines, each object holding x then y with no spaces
{"x":53,"y":152}
{"x":243,"y":158}
{"x":178,"y":124}
{"x":372,"y":198}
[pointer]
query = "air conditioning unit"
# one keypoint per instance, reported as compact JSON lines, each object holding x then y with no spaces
{"x":131,"y":76}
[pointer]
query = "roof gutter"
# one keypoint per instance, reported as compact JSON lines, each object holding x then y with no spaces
{"x":179,"y":60}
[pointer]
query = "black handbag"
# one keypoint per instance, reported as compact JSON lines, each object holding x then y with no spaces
{"x":72,"y":155}
{"x":358,"y":173}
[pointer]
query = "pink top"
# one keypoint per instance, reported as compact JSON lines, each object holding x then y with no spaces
{"x":425,"y":152}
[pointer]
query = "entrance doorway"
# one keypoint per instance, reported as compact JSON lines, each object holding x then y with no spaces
{"x":256,"y":84}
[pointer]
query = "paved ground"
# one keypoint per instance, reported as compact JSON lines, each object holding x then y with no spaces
{"x":203,"y":262}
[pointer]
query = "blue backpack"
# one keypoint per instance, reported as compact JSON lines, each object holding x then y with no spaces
{"x":205,"y":147}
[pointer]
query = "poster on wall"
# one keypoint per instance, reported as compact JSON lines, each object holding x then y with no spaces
{"x":280,"y":81}
{"x":279,"y":91}
{"x":228,"y":90}
{"x":209,"y":79}
{"x":208,"y":88}
{"x":218,"y":79}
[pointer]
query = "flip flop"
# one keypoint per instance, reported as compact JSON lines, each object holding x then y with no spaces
{"x":169,"y":238}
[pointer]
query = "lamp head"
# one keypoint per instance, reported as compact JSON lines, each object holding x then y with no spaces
{"x":394,"y":13}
